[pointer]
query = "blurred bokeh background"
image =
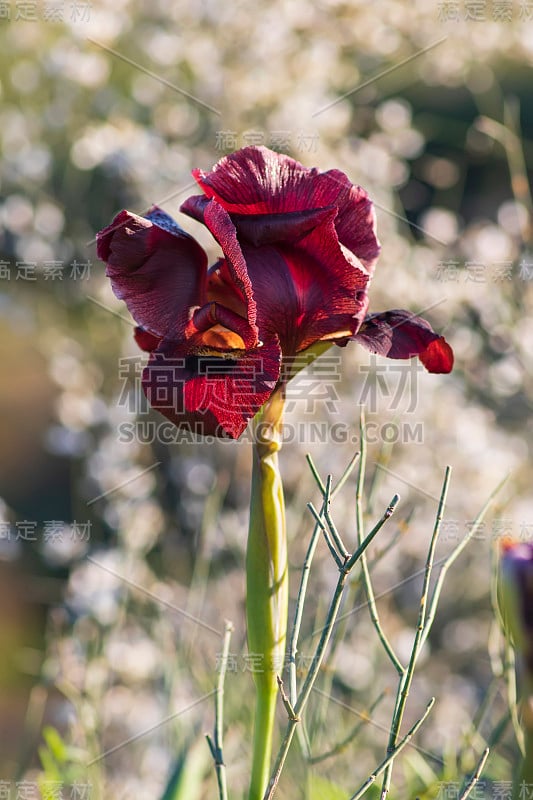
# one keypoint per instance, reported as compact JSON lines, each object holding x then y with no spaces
{"x":121,"y":553}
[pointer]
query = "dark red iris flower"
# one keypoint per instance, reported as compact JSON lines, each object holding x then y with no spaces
{"x":299,"y":249}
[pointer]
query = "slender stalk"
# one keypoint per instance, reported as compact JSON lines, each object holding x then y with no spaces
{"x":454,"y":555}
{"x":360,"y":552}
{"x":364,"y":562}
{"x":407,"y":678}
{"x":304,"y":580}
{"x":331,"y":525}
{"x":295,"y":633}
{"x":326,"y":532}
{"x":215,"y":745}
{"x":351,"y":561}
{"x":318,"y":657}
{"x":392,"y":755}
{"x":475,"y":777}
{"x":315,"y":473}
{"x":267,"y":585}
{"x":307,"y":686}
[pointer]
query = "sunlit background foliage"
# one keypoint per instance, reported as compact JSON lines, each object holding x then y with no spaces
{"x":110,"y":548}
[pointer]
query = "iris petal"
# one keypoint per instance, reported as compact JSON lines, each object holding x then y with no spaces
{"x":399,"y":334}
{"x":156,"y":268}
{"x":210,"y":394}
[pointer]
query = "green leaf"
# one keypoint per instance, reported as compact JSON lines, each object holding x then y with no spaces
{"x":186,"y":780}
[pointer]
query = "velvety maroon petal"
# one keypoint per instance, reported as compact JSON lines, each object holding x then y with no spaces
{"x":194,"y":206}
{"x":215,"y":319}
{"x":310,"y":291}
{"x":212,"y":395}
{"x":399,"y":334}
{"x":156,"y":268}
{"x":219,"y":223}
{"x":257,"y":181}
{"x":356,"y":221}
{"x":146,"y":340}
{"x":261,"y":229}
{"x":273,"y":228}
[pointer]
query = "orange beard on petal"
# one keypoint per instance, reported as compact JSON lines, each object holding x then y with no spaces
{"x":220,"y":341}
{"x":330,"y":337}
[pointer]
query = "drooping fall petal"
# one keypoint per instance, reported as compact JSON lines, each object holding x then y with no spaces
{"x":400,"y":334}
{"x":146,"y":341}
{"x":211,"y":394}
{"x":156,"y":268}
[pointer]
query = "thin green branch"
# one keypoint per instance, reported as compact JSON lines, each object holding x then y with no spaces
{"x":375,"y":530}
{"x":345,"y":475}
{"x":407,"y":677}
{"x":391,"y":756}
{"x":315,"y":474}
{"x":307,"y":686}
{"x":454,"y":555}
{"x":326,"y":532}
{"x":302,"y":590}
{"x":298,"y":613}
{"x":215,"y":744}
{"x":320,"y":651}
{"x":364,"y":563}
{"x":352,"y":560}
{"x":342,"y":480}
{"x":475,"y":777}
{"x":331,"y":525}
{"x":286,"y":702}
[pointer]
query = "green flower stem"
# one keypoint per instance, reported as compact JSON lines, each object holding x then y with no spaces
{"x":266,"y":585}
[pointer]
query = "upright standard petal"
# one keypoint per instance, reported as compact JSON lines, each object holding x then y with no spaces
{"x":282,"y":200}
{"x":258,"y":229}
{"x":307,"y":290}
{"x":399,"y":334}
{"x":310,"y":292}
{"x":156,"y":268}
